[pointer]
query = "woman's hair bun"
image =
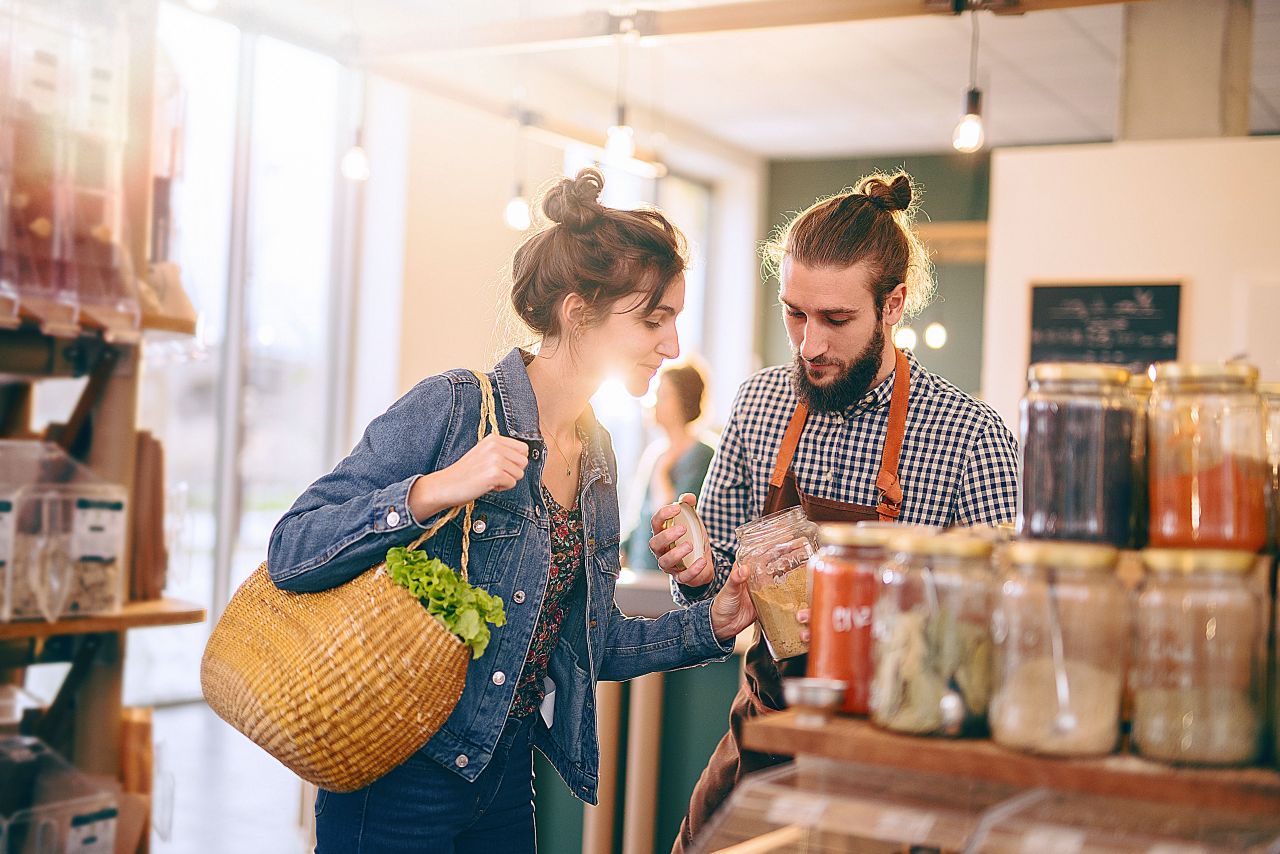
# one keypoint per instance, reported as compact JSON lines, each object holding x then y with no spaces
{"x":892,"y":195}
{"x":574,"y":202}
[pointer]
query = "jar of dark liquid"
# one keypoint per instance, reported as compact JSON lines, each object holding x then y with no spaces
{"x":1207,"y":458}
{"x":1077,"y":454}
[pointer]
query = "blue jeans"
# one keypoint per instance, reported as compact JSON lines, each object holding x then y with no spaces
{"x":425,"y":808}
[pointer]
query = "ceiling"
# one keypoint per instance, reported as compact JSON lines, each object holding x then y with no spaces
{"x":866,"y":87}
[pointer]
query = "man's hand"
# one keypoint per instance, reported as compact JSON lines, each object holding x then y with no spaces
{"x":700,"y":572}
{"x":732,"y":610}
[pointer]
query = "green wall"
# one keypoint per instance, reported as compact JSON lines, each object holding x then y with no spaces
{"x":695,"y":714}
{"x":955,"y":188}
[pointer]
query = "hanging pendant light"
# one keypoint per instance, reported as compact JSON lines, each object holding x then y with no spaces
{"x":518,"y":215}
{"x":620,"y":139}
{"x":969,"y":135}
{"x":355,"y":163}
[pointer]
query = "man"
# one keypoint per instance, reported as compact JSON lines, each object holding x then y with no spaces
{"x":854,"y":430}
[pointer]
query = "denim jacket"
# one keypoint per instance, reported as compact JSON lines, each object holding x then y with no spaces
{"x":345,"y":522}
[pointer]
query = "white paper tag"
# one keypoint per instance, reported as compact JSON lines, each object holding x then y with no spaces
{"x":97,"y":529}
{"x":548,"y":707}
{"x":803,"y":811}
{"x":93,"y":833}
{"x":910,"y":826}
{"x":1059,"y":840}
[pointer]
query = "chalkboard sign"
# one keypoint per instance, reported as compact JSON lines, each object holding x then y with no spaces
{"x":1127,"y":325}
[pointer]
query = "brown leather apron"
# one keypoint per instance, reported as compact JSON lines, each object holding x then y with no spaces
{"x":761,"y":690}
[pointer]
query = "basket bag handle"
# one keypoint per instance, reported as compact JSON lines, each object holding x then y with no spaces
{"x":488,"y":418}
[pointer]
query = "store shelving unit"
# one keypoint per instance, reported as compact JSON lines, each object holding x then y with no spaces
{"x":1254,"y":790}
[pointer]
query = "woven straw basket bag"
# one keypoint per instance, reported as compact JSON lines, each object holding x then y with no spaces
{"x":342,"y":685}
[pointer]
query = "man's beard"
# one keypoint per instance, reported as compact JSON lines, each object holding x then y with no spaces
{"x":847,"y":388}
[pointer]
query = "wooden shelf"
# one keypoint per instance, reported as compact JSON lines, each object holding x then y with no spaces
{"x":134,"y":615}
{"x":854,"y":740}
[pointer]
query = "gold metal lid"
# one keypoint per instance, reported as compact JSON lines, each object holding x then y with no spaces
{"x":1238,"y":372}
{"x":871,"y":534}
{"x":1270,"y":389}
{"x":1198,"y":560}
{"x":952,"y":543}
{"x":1140,"y":383}
{"x":1077,"y":372}
{"x":1063,"y":554}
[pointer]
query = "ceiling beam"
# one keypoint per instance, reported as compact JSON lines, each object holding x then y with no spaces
{"x":531,"y":35}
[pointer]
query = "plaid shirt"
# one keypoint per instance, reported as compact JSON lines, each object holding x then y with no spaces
{"x":959,"y":462}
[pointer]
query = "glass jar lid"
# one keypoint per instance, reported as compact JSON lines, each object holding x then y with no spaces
{"x":874,"y":534}
{"x":948,"y":543}
{"x":1063,"y":554}
{"x":1077,"y":372}
{"x":1228,"y":372}
{"x":1198,"y":560}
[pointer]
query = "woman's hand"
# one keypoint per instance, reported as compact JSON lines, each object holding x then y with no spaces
{"x":671,"y":558}
{"x":495,"y":464}
{"x":732,"y":610}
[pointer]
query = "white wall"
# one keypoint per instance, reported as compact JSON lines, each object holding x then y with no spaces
{"x":1205,"y":212}
{"x":457,"y":250}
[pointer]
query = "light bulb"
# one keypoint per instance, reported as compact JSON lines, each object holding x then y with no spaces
{"x":355,"y":164}
{"x":620,"y":144}
{"x":969,"y":135}
{"x":517,"y":214}
{"x":935,"y":336}
{"x":905,"y":338}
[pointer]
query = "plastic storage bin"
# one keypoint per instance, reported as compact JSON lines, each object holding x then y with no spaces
{"x":62,"y":534}
{"x":1068,"y":822}
{"x":47,"y":806}
{"x":821,"y":805}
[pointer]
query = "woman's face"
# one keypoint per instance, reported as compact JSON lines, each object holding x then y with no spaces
{"x":631,"y":344}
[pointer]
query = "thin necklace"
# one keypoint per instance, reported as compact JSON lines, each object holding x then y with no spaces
{"x":568,"y":469}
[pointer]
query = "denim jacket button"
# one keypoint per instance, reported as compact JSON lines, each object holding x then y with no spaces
{"x":478,"y":526}
{"x":393,"y":519}
{"x":461,"y":761}
{"x":518,"y":597}
{"x":499,"y":678}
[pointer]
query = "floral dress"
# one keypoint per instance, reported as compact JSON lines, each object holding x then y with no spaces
{"x":566,"y":569}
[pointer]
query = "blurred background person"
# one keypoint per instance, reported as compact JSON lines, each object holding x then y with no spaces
{"x":675,"y":463}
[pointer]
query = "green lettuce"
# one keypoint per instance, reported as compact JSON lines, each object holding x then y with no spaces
{"x":465,"y":610}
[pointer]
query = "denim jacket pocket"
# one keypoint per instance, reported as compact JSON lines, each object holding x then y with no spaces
{"x":494,"y":532}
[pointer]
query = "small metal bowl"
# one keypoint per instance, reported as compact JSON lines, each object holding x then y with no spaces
{"x":813,"y":699}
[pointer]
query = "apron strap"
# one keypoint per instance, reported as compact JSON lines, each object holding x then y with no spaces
{"x":887,"y":479}
{"x":790,"y":440}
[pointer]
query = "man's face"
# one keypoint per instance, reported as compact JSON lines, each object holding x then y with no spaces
{"x":836,"y":333}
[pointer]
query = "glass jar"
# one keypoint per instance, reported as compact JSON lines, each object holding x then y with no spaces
{"x":1197,"y":675}
{"x":931,"y":633}
{"x":1077,"y":454}
{"x":1140,"y":386}
{"x":1271,"y":407}
{"x":845,"y":574}
{"x":1207,"y":458}
{"x":775,"y":550}
{"x":1060,"y":627}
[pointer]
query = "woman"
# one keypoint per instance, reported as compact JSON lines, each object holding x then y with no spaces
{"x":678,"y":462}
{"x":602,"y":289}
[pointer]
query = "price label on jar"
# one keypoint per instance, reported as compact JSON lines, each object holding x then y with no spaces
{"x":911,"y":826}
{"x":98,"y":531}
{"x":1059,"y":840}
